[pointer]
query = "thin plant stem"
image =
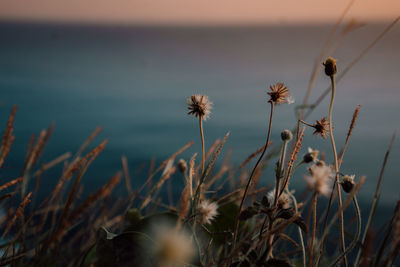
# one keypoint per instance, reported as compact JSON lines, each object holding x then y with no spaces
{"x":376,"y":199}
{"x":279,"y":174}
{"x":355,"y":240}
{"x":202,"y":143}
{"x":336,"y":170}
{"x":251,"y":177}
{"x":314,"y":204}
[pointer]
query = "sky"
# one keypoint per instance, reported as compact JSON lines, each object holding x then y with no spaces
{"x":192,"y":12}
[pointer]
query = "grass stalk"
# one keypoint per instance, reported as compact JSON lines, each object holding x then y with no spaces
{"x":376,"y":199}
{"x":314,"y":205}
{"x":251,"y":177}
{"x":203,"y":153}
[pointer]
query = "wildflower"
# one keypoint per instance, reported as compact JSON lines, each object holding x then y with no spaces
{"x":207,"y":211}
{"x":280,"y":94}
{"x":320,"y":179}
{"x":182,"y":165}
{"x":170,"y":246}
{"x":200,"y":106}
{"x":321,"y":127}
{"x":284,"y":201}
{"x":286,"y":135}
{"x":347,"y":183}
{"x":330,"y":66}
{"x":311,"y":155}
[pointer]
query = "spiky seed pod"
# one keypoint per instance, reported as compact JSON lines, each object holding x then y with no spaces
{"x":286,"y":135}
{"x":311,"y":155}
{"x":330,"y":66}
{"x":200,"y":106}
{"x":348,"y":183}
{"x":280,"y":94}
{"x":321,"y":127}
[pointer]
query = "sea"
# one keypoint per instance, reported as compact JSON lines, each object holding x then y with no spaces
{"x":134,"y":81}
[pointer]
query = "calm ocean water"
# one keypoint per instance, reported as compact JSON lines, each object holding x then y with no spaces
{"x":134,"y":82}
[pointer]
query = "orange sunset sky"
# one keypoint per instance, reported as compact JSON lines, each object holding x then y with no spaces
{"x":192,"y":12}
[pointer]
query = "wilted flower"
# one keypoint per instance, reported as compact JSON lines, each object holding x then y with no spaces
{"x":330,"y":66}
{"x":320,"y":179}
{"x":284,"y":201}
{"x":321,"y":127}
{"x":207,"y":211}
{"x":170,"y":246}
{"x":347,"y":183}
{"x":200,"y":106}
{"x":280,"y":94}
{"x":311,"y":155}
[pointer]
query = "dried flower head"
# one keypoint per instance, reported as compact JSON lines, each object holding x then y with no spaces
{"x":347,"y":183}
{"x":284,"y":201}
{"x":321,"y":127}
{"x":330,"y":66}
{"x":286,"y":135}
{"x":311,"y":156}
{"x":207,"y":211}
{"x":170,"y":246}
{"x":320,"y":179}
{"x":182,"y":165}
{"x":280,"y":94}
{"x":200,"y":106}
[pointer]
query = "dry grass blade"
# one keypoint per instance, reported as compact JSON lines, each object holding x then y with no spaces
{"x":126,"y":174}
{"x":191,"y":174}
{"x":52,"y":163}
{"x":91,"y":137}
{"x":157,"y":186}
{"x":18,"y":214}
{"x":11,"y":183}
{"x":8,"y":137}
{"x":172,"y":157}
{"x":352,"y":124}
{"x":104,"y":191}
{"x":252,"y":155}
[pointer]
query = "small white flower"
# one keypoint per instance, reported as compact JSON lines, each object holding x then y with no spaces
{"x":320,"y":179}
{"x":207,"y":211}
{"x":284,"y":201}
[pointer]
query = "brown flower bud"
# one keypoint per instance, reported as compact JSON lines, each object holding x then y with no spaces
{"x":348,"y":183}
{"x":330,"y":66}
{"x":182,"y":165}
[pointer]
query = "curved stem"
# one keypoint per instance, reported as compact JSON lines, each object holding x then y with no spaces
{"x":355,"y":240}
{"x":314,"y":203}
{"x":202,"y":143}
{"x":251,"y":177}
{"x":336,"y":180}
{"x":279,"y":174}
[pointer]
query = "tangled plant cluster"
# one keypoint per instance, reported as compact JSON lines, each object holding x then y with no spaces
{"x":223,"y":217}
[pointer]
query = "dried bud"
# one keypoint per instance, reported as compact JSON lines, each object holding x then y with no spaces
{"x":182,"y":165}
{"x":286,"y":135}
{"x":330,"y":66}
{"x":348,"y":183}
{"x":311,"y":156}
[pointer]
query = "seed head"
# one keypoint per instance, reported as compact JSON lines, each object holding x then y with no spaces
{"x":207,"y":211}
{"x":169,"y":246}
{"x":200,"y":106}
{"x":347,"y":183}
{"x":182,"y":165}
{"x":286,"y":135}
{"x":284,"y":201}
{"x":280,"y":94}
{"x":321,"y":127}
{"x":311,"y":155}
{"x":320,"y":179}
{"x":330,"y":66}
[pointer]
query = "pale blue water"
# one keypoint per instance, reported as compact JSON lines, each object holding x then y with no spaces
{"x":134,"y":82}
